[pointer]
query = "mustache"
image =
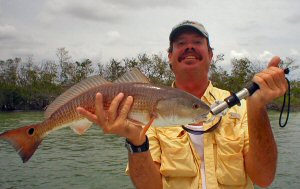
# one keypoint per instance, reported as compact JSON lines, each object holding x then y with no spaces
{"x":190,"y":52}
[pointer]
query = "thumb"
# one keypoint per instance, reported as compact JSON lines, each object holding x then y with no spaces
{"x":275,"y":61}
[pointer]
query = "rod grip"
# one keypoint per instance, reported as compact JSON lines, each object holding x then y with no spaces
{"x":253,"y":86}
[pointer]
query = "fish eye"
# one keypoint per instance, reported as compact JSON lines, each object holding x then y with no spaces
{"x":31,"y":131}
{"x":195,"y":106}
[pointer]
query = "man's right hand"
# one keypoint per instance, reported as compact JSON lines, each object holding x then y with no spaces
{"x":113,"y":122}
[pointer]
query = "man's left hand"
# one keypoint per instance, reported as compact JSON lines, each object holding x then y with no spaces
{"x":271,"y":82}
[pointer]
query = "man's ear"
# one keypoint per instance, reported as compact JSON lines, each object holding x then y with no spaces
{"x":211,"y":54}
{"x":169,"y":55}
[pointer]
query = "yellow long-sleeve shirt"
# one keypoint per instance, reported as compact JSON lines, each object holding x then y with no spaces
{"x":224,"y":150}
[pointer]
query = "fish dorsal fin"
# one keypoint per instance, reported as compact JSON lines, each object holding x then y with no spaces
{"x":74,"y":91}
{"x":134,"y":75}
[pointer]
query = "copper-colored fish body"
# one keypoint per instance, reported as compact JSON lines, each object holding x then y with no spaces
{"x":164,"y":106}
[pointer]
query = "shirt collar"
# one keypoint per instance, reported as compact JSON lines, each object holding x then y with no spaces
{"x":208,"y":95}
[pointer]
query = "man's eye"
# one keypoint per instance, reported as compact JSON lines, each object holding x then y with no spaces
{"x":180,"y":42}
{"x":198,"y":42}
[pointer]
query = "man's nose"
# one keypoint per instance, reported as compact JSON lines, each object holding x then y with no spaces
{"x":190,"y":45}
{"x":189,"y":48}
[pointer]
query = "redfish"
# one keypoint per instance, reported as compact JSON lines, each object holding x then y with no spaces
{"x":152,"y":105}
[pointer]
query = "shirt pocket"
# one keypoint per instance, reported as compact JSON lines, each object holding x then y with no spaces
{"x":177,"y":159}
{"x":230,"y":168}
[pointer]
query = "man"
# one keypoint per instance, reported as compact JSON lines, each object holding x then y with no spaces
{"x":236,"y":153}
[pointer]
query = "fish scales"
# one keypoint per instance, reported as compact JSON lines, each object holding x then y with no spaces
{"x":145,"y":97}
{"x":164,"y":106}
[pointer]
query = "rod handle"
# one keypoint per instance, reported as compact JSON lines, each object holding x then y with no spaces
{"x":253,"y":86}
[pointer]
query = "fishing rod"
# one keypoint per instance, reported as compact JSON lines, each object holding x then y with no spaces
{"x":234,"y":99}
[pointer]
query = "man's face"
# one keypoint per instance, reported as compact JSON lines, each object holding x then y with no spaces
{"x":190,"y":53}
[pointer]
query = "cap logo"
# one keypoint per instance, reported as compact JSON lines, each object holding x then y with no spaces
{"x":187,"y":22}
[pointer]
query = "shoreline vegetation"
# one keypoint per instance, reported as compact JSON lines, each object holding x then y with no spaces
{"x":26,"y":85}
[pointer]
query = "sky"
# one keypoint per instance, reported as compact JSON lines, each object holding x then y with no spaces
{"x":105,"y":29}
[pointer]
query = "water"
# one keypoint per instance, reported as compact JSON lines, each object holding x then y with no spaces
{"x":94,"y":160}
{"x":288,"y":169}
{"x":64,"y":159}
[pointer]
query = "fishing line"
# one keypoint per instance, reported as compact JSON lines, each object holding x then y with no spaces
{"x":288,"y":93}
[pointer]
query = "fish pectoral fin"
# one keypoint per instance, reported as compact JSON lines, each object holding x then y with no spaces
{"x":135,"y":122}
{"x":81,"y":126}
{"x":146,"y":127}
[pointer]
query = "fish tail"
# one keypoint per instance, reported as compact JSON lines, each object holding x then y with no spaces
{"x":25,"y":140}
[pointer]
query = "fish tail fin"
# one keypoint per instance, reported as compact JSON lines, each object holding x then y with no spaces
{"x":25,"y":140}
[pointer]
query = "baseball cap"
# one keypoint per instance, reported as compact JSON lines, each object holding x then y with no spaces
{"x":188,"y":25}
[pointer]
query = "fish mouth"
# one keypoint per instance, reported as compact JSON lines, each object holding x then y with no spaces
{"x":200,"y":118}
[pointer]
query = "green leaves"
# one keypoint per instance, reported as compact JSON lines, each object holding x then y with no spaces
{"x":30,"y":85}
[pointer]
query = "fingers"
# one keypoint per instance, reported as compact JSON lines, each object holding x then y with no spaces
{"x":273,"y":76}
{"x":113,"y":108}
{"x":99,"y":109}
{"x":126,"y":108}
{"x":275,"y":61}
{"x":271,"y":81}
{"x":91,"y":117}
{"x":278,"y":77}
{"x":113,"y":120}
{"x":102,"y":117}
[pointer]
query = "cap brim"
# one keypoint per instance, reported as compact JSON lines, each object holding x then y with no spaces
{"x":184,"y":28}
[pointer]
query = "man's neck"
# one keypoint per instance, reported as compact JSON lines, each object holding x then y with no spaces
{"x":195,"y":86}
